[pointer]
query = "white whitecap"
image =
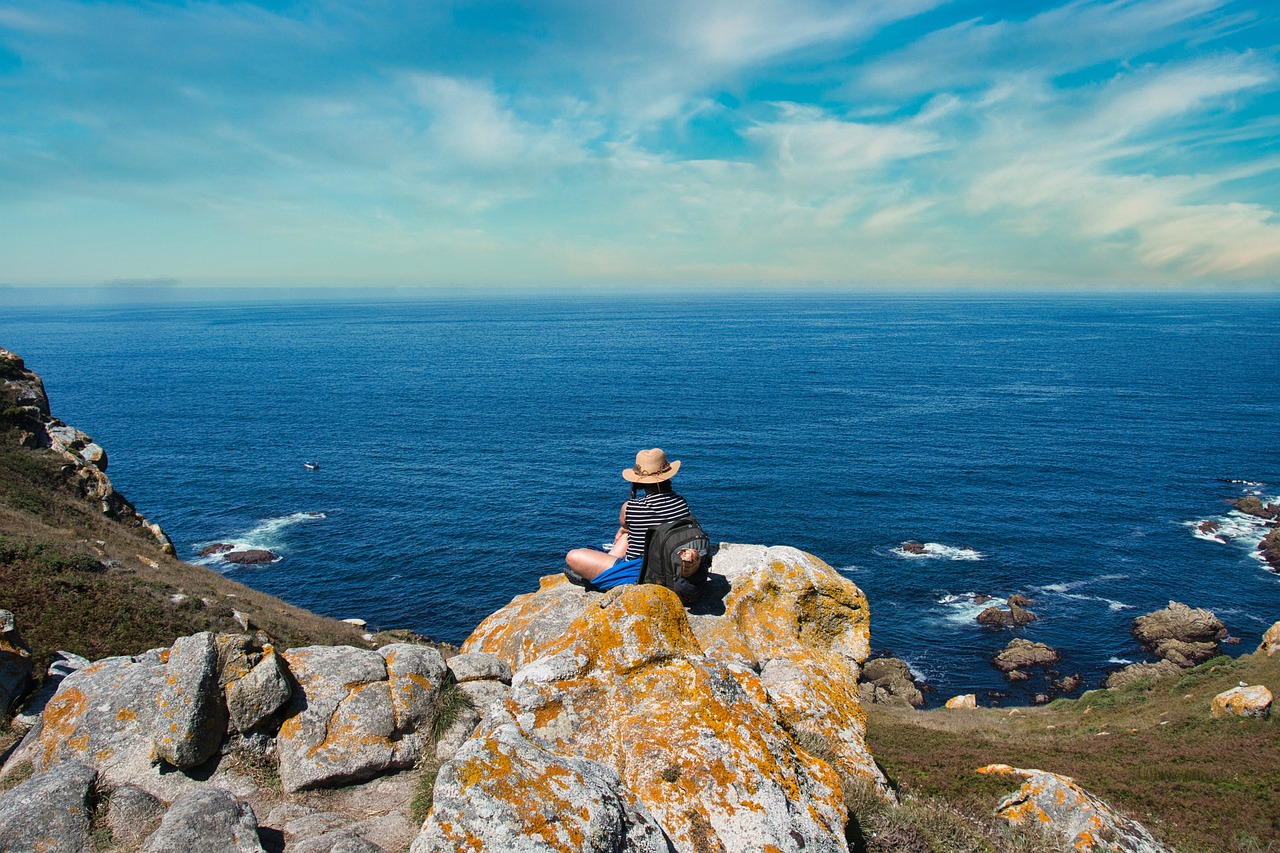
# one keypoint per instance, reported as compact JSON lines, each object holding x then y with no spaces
{"x":936,"y":551}
{"x":1120,"y":661}
{"x":963,"y":608}
{"x":266,"y":536}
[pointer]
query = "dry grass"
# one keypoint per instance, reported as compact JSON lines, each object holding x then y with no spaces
{"x":1149,"y":749}
{"x":78,"y":581}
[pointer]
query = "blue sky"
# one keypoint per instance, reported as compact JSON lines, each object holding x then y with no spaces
{"x":872,"y":143}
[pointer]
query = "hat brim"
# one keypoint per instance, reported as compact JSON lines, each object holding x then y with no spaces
{"x":630,"y":475}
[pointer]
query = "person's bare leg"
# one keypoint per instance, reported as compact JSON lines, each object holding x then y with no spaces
{"x":588,"y":562}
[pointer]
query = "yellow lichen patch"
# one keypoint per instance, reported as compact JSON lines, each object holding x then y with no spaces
{"x":61,"y":719}
{"x":126,"y":715}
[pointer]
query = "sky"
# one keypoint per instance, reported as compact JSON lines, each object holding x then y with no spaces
{"x":605,"y":145}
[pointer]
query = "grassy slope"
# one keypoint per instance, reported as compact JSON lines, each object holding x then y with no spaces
{"x":78,"y":581}
{"x":1151,"y":750}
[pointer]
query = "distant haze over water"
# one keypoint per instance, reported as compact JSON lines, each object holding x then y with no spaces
{"x":1061,"y":447}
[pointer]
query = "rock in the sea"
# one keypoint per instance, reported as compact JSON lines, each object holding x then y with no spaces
{"x":708,"y":753}
{"x":964,"y":700}
{"x":1271,"y":640}
{"x":1014,"y":616}
{"x":1139,"y":673}
{"x":251,"y":557}
{"x":1085,"y":823}
{"x":15,"y":664}
{"x":1270,"y":548}
{"x":1180,"y":634}
{"x":208,"y":820}
{"x":1022,"y":654}
{"x":216,"y":548}
{"x":357,"y":713}
{"x":48,"y":812}
{"x":191,"y":718}
{"x":505,"y":792}
{"x":1251,"y":505}
{"x":1248,"y":701}
{"x":913,"y":548}
{"x":891,"y":682}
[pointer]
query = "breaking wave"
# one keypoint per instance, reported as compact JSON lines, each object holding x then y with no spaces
{"x":935,"y":551}
{"x":266,"y":535}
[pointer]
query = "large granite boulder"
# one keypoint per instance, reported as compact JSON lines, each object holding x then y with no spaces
{"x":255,"y":697}
{"x":776,"y":611}
{"x":505,"y":792}
{"x":1085,"y":823}
{"x":206,"y":820}
{"x":1247,"y":700}
{"x":104,"y":716}
{"x":191,"y":718}
{"x":15,"y":664}
{"x":49,"y":812}
{"x":708,"y":753}
{"x":357,"y":713}
{"x":1181,"y":634}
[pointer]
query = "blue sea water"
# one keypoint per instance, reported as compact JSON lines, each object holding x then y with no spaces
{"x":1061,"y":447}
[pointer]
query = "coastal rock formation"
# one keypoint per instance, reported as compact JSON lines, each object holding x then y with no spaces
{"x":1136,"y":672}
{"x":777,"y":612}
{"x":1016,"y":615}
{"x":1270,"y":548}
{"x":1245,"y":701}
{"x":25,"y":405}
{"x":1181,"y":634}
{"x":207,"y":819}
{"x":357,"y":713}
{"x":709,"y":755}
{"x":250,"y":557}
{"x":888,"y":681}
{"x":1271,"y":640}
{"x":48,"y":812}
{"x":1252,"y":505}
{"x":15,"y":664}
{"x":964,"y":700}
{"x":1085,"y":823}
{"x":1020,"y":655}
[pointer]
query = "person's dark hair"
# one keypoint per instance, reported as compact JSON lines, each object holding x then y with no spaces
{"x":658,"y":488}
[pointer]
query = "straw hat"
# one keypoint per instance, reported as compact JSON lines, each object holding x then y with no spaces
{"x":651,"y":467}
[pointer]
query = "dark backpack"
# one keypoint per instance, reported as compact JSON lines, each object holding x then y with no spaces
{"x":662,"y":547}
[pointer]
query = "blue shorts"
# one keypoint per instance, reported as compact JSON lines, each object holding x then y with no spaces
{"x":621,"y":572}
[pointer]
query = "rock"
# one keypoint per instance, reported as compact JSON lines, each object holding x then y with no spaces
{"x":1069,"y":684}
{"x":24,"y":387}
{"x":356,"y":713}
{"x":478,"y":666}
{"x":761,"y":605}
{"x":1209,"y":528}
{"x":1248,"y":701}
{"x":1271,"y":640}
{"x":892,"y":682}
{"x":1014,"y":616}
{"x":1180,"y":634}
{"x":1021,"y":654}
{"x":94,"y":455}
{"x":133,"y":815}
{"x":49,"y":812}
{"x":1085,"y":823}
{"x":103,"y":716}
{"x":1040,"y":699}
{"x":15,"y":665}
{"x":208,"y":820}
{"x":1019,"y":600}
{"x":1251,"y":505}
{"x":216,"y":548}
{"x":191,"y":718}
{"x":965,"y":700}
{"x":63,"y":663}
{"x":913,"y":548}
{"x":708,"y":753}
{"x":1270,"y":548}
{"x":259,"y":694}
{"x":486,"y":697}
{"x":1185,"y":654}
{"x":483,"y":802}
{"x":1140,"y":672}
{"x":981,"y":599}
{"x":339,"y":841}
{"x":252,"y":557}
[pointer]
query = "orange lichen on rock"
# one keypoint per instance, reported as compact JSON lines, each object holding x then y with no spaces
{"x":1078,"y":817}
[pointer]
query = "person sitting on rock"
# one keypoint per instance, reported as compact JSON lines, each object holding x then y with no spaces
{"x":652,"y":473}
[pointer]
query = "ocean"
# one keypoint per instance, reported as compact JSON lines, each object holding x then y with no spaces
{"x":1061,"y":447}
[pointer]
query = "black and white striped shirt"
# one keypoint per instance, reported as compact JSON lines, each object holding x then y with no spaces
{"x":650,"y":511}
